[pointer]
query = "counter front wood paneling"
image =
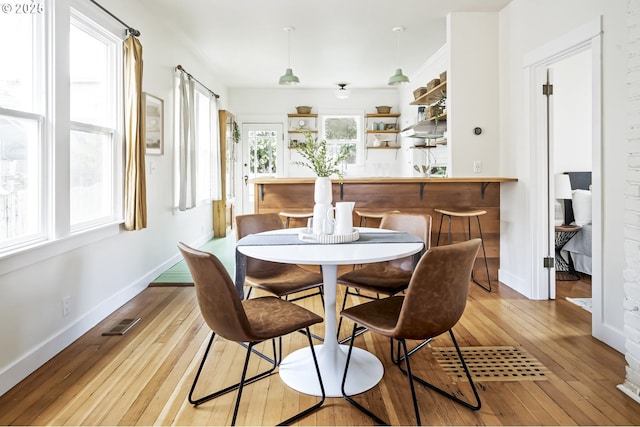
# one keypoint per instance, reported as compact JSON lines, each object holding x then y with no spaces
{"x":420,"y":195}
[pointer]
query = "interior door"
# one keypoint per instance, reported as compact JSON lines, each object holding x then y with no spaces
{"x":262,"y":157}
{"x":550,"y":222}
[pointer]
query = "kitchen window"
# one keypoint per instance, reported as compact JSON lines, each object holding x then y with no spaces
{"x":343,"y":130}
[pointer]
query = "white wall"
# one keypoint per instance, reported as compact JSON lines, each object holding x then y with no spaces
{"x":101,"y":276}
{"x":524,"y":26}
{"x":268,"y":105}
{"x":472,"y":96}
{"x":631,"y":384}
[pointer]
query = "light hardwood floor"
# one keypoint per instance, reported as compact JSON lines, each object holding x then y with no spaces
{"x":143,"y":377}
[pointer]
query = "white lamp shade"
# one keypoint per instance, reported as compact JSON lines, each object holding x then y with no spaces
{"x":562,"y":186}
{"x":343,"y":93}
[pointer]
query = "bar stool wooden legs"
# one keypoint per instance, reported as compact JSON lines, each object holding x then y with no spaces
{"x":466,"y":213}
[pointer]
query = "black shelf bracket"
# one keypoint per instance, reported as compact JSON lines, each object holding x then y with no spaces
{"x":342,"y":191}
{"x":262,"y":192}
{"x":422,"y":184}
{"x":483,"y":187}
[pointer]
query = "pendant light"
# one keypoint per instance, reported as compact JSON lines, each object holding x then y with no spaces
{"x":288,"y":78}
{"x":398,"y":78}
{"x":342,"y":93}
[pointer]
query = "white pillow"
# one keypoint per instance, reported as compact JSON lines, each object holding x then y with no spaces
{"x":581,"y":200}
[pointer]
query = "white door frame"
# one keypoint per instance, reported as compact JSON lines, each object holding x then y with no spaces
{"x":588,"y":36}
{"x":247,"y":205}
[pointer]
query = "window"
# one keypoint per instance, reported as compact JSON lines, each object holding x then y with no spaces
{"x":22,"y":141}
{"x":343,"y":130}
{"x":263,"y":152}
{"x":206,"y":140}
{"x":93,"y":69}
{"x":52,"y":185}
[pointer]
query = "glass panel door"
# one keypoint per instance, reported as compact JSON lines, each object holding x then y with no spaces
{"x":263,"y":144}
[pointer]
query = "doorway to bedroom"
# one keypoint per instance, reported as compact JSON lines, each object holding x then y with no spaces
{"x":570,"y":174}
{"x":539,"y":64}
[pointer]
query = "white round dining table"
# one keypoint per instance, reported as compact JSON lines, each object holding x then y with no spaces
{"x":365,"y":369}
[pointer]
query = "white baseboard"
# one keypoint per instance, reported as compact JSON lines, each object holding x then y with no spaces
{"x":38,"y":356}
{"x":514,"y":282}
{"x":629,"y":392}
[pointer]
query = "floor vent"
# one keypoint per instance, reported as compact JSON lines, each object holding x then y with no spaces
{"x":122,"y":327}
{"x":491,"y":364}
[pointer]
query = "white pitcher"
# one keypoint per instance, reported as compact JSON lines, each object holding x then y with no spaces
{"x":344,"y":217}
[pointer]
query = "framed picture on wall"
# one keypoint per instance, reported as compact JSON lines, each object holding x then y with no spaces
{"x":153,"y":124}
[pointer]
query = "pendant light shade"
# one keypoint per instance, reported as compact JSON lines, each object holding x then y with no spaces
{"x":342,"y":93}
{"x":288,"y":78}
{"x":398,"y":78}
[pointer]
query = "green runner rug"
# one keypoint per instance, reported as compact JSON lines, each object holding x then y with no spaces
{"x":179,"y":275}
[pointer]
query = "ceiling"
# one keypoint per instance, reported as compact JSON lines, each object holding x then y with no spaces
{"x":348,"y":41}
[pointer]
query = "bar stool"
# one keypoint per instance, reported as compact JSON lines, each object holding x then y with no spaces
{"x":466,"y":213}
{"x":364,"y":214}
{"x":294,"y":214}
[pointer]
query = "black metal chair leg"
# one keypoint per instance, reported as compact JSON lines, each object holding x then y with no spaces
{"x":439,"y":229}
{"x":348,"y":398}
{"x":198,"y":401}
{"x":451,"y":396}
{"x":245,"y":381}
{"x":484,"y":253}
{"x":400,"y":358}
{"x":344,"y":303}
{"x":361,"y":329}
{"x":241,"y":385}
{"x":411,"y":386}
{"x":318,"y":404}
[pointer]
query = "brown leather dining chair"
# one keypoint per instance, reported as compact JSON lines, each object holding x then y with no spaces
{"x":432,"y":305}
{"x":389,"y":277}
{"x":282,"y":280}
{"x":243,"y":321}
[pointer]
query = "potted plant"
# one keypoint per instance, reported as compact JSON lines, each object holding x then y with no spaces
{"x":323,"y":164}
{"x":319,"y":159}
{"x":439,"y":107}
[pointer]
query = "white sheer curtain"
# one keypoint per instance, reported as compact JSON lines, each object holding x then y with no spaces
{"x":216,"y":173}
{"x":187,"y":144}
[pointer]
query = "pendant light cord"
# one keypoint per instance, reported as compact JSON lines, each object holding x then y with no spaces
{"x":398,"y":59}
{"x":288,"y":30}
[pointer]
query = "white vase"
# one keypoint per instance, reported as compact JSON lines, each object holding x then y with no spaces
{"x":322,"y":196}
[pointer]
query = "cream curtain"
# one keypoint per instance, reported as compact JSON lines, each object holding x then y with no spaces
{"x":216,"y":171}
{"x":135,"y":200}
{"x":187,"y":144}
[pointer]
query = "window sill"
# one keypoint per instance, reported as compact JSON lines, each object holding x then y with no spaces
{"x":29,"y":255}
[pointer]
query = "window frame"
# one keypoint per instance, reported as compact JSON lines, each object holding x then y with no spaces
{"x":53,"y":113}
{"x":359,"y":142}
{"x":41,"y":234}
{"x":115,"y":102}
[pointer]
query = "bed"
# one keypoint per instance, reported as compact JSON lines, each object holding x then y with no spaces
{"x":578,"y":212}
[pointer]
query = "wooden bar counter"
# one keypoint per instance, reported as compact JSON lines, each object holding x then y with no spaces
{"x":420,"y":195}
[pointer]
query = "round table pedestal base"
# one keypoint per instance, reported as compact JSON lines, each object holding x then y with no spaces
{"x":297,"y":371}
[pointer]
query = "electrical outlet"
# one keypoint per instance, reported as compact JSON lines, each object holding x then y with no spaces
{"x":66,"y":306}
{"x":477,"y":166}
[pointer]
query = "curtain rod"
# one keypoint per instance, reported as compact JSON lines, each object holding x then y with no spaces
{"x":179,"y":67}
{"x":130,"y":30}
